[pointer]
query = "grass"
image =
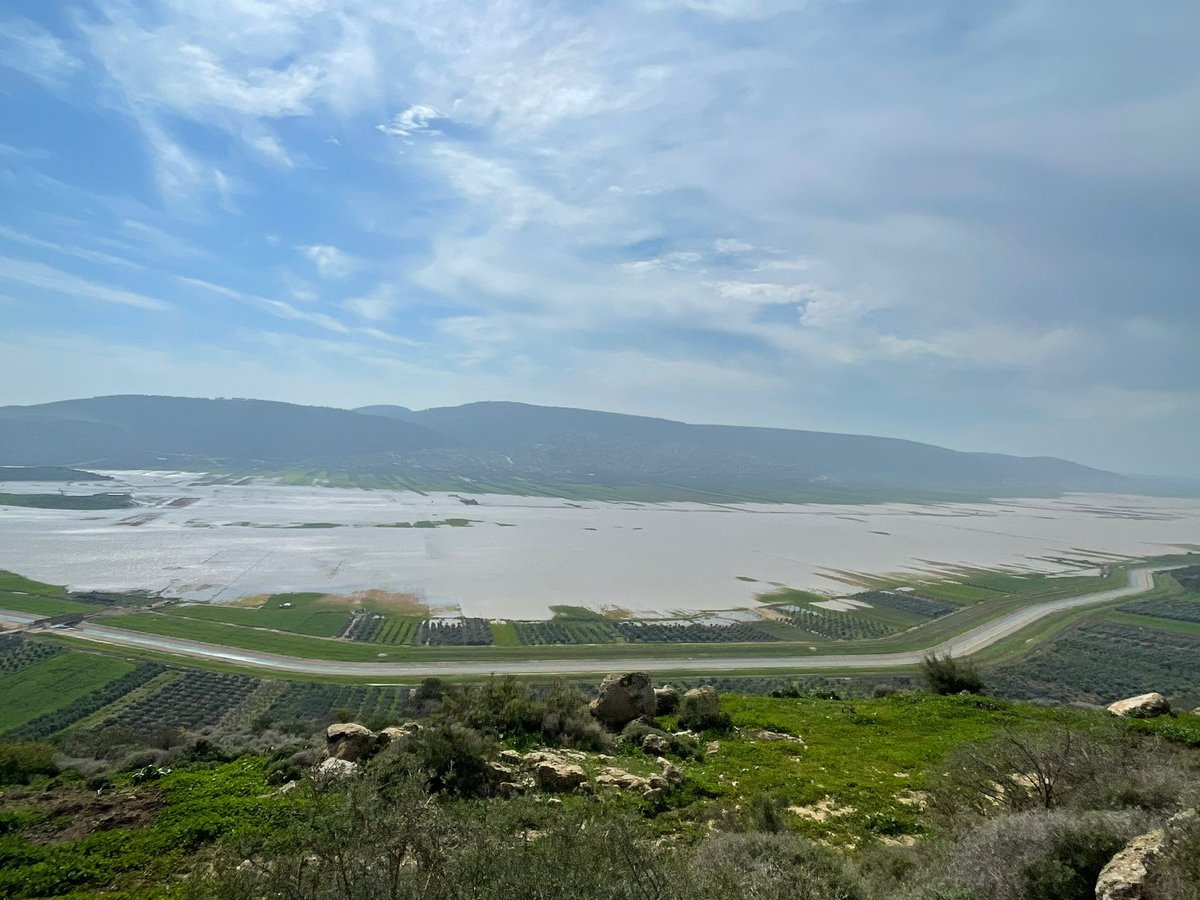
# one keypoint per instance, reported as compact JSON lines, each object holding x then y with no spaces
{"x":308,"y":613}
{"x":505,"y":634}
{"x":54,"y":683}
{"x":863,"y":759}
{"x":20,"y":594}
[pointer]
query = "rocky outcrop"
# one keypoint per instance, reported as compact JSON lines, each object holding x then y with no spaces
{"x":398,"y":732}
{"x":765,"y":735}
{"x":1143,"y":706}
{"x":559,"y":777}
{"x":666,"y":700}
{"x":1126,"y":874}
{"x":700,"y":709}
{"x":350,"y":742}
{"x":623,"y":698}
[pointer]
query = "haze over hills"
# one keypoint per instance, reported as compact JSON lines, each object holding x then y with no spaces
{"x":514,"y":448}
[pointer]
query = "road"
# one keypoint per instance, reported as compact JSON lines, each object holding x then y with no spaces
{"x":965,"y":644}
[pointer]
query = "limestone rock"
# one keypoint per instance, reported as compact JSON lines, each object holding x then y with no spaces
{"x":656,"y":744}
{"x":712,"y":748}
{"x":1143,"y":706}
{"x":336,"y":768}
{"x":510,"y":757}
{"x":623,"y":698}
{"x":559,"y":777}
{"x":666,"y":700}
{"x":1125,"y":875}
{"x":350,"y":741}
{"x":773,"y":736}
{"x":672,"y":773}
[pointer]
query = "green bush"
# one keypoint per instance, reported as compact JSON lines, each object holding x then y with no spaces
{"x":947,"y":675}
{"x":22,"y":761}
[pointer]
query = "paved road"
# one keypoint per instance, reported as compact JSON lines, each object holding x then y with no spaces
{"x":965,"y":644}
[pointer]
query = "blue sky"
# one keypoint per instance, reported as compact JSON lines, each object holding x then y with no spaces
{"x":976,"y":224}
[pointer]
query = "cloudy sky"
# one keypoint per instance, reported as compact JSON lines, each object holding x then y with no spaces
{"x":971,"y":223}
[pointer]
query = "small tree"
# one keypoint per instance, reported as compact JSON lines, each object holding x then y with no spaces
{"x":947,"y":675}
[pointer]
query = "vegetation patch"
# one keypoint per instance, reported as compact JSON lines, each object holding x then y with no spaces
{"x":54,"y":683}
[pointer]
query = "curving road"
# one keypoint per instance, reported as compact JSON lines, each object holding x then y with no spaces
{"x":965,"y":644}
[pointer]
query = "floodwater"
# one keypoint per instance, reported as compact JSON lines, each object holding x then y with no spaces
{"x":521,"y":555}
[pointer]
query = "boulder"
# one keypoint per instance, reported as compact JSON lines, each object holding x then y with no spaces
{"x":666,"y":700}
{"x":619,"y":778}
{"x":398,"y":732}
{"x":672,"y":773}
{"x":623,"y":698}
{"x":336,"y":768}
{"x":350,"y":741}
{"x":1196,"y":711}
{"x":1143,"y":706}
{"x":656,"y":744}
{"x":700,"y":708}
{"x":1125,"y":875}
{"x":559,"y":777}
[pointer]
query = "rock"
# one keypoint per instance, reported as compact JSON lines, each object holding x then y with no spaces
{"x":349,"y":741}
{"x":654,"y":794}
{"x":712,"y":748}
{"x":773,"y":736}
{"x":1143,"y":706}
{"x":510,"y":757}
{"x":666,"y":700}
{"x":623,"y":698}
{"x":559,"y":777}
{"x":657,"y":783}
{"x":509,"y":789}
{"x":672,"y":773}
{"x":701,"y":708}
{"x":398,"y":732}
{"x":619,"y":778}
{"x":502,"y":772}
{"x":1196,"y":711}
{"x":336,"y":768}
{"x":1125,"y":875}
{"x":656,"y":744}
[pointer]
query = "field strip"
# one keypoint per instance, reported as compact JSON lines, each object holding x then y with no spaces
{"x":965,"y":644}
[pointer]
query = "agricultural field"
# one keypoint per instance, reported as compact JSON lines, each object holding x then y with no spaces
{"x":978,"y":586}
{"x":565,"y":631}
{"x":53,"y":683}
{"x":80,"y":709}
{"x":1100,"y":661}
{"x":198,"y":698}
{"x":69,"y":501}
{"x":308,"y":613}
{"x":17,"y":653}
{"x":454,"y":633}
{"x":308,"y":705}
{"x":1179,"y":609}
{"x":689,"y":633}
{"x":834,"y":625}
{"x":909,"y":604}
{"x":382,"y":629}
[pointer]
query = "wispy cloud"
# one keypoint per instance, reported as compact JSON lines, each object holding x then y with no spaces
{"x":329,"y":261}
{"x":38,"y":275}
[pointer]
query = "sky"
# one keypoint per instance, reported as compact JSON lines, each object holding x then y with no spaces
{"x":970,"y":223}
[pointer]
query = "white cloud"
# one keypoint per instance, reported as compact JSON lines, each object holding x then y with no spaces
{"x":329,"y":261}
{"x":376,"y":306}
{"x":43,"y":277}
{"x":31,"y":49}
{"x":412,"y":120}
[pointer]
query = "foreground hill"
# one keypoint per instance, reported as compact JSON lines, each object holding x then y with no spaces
{"x":517,"y":448}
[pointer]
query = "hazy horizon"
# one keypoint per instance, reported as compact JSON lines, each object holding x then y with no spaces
{"x":969,"y":225}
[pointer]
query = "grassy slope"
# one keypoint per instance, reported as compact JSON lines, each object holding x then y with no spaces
{"x":54,"y":683}
{"x":21,"y":594}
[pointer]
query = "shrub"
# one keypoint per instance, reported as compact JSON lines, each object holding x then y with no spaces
{"x":769,"y":867}
{"x":22,"y":761}
{"x":452,"y":757}
{"x":1027,"y":856}
{"x":947,"y":675}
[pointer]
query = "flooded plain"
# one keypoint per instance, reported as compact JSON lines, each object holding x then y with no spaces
{"x":505,"y":556}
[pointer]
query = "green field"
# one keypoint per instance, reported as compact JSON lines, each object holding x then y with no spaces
{"x":22,"y":595}
{"x":309,"y":614}
{"x":53,"y":684}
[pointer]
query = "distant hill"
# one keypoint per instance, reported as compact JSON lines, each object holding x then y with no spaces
{"x":134,"y":431}
{"x":518,"y":448}
{"x":583,"y":446}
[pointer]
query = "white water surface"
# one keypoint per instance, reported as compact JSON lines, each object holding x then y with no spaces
{"x":522,"y":555}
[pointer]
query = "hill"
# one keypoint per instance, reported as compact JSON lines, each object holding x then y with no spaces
{"x":518,"y":448}
{"x":577,"y":446}
{"x":134,"y":431}
{"x":48,"y":473}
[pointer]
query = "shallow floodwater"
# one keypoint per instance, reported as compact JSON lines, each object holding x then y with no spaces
{"x":520,"y":555}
